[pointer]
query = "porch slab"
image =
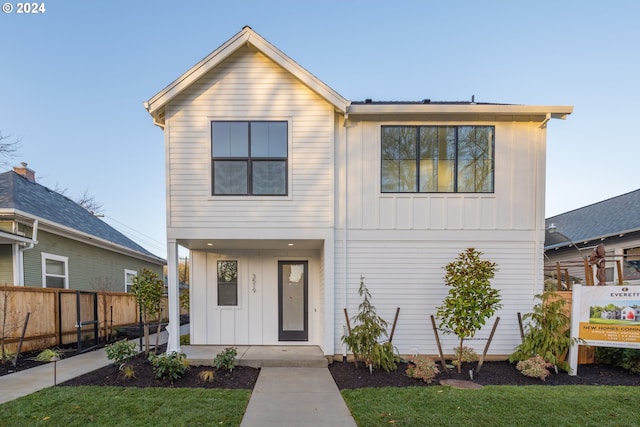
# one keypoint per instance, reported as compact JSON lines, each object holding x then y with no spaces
{"x":259,"y":356}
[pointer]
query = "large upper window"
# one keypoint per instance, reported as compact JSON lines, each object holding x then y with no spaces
{"x":437,"y":159}
{"x":55,"y":273}
{"x":249,"y":158}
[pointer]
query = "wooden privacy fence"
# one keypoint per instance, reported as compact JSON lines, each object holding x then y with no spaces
{"x":53,"y":317}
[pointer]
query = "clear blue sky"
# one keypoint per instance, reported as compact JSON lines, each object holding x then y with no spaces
{"x":73,"y":81}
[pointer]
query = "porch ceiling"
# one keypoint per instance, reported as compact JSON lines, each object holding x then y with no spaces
{"x":258,"y":244}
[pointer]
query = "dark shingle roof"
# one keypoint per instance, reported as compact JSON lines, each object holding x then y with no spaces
{"x":17,"y":192}
{"x":607,"y":218}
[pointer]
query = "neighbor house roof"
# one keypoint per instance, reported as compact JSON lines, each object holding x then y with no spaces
{"x":612,"y":217}
{"x":20,"y":196}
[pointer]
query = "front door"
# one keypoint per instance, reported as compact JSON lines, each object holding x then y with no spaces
{"x":293,"y":290}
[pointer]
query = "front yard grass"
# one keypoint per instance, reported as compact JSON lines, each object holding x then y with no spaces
{"x":493,"y":406}
{"x":126,"y":406}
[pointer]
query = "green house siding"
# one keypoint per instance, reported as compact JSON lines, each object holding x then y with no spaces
{"x":6,"y":265}
{"x":89,"y":268}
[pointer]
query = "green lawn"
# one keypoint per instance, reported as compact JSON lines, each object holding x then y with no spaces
{"x":493,"y":406}
{"x":127,"y":406}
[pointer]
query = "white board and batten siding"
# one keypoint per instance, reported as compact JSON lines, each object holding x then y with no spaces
{"x":401,"y":242}
{"x":249,"y":86}
{"x":254,"y":320}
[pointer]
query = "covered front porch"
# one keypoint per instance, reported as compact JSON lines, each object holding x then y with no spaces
{"x":259,"y":356}
{"x":280,"y":293}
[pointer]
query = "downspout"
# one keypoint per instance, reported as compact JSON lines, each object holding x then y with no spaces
{"x":21,"y":251}
{"x":344,"y":227}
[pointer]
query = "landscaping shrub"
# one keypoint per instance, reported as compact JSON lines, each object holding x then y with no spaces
{"x":226,"y":359}
{"x":534,"y":367}
{"x":121,"y":352}
{"x":467,"y":355}
{"x":547,"y":334}
{"x":169,"y":366}
{"x":364,"y":339}
{"x":626,"y":358}
{"x":423,"y":368}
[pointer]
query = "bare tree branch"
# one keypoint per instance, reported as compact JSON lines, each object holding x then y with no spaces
{"x":8,"y":149}
{"x":89,"y":202}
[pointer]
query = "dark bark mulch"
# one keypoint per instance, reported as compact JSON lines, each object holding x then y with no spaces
{"x":347,"y":376}
{"x":241,"y":377}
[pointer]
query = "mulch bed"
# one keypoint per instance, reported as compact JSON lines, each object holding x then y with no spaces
{"x":347,"y":376}
{"x":242,"y":377}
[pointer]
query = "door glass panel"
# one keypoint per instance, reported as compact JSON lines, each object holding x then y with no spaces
{"x":293,"y":297}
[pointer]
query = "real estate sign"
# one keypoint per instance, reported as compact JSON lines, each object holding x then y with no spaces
{"x":605,"y":316}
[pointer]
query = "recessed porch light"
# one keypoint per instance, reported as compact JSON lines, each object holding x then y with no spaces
{"x":289,"y":244}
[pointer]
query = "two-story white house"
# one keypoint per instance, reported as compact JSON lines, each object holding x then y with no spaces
{"x":286,"y":193}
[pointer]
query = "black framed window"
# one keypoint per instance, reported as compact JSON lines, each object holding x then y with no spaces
{"x":437,"y":159}
{"x":249,"y":158}
{"x":227,"y":282}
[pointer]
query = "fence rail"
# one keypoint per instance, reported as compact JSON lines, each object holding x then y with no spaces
{"x":53,"y":318}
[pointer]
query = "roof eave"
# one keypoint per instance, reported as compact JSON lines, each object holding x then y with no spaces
{"x":556,"y":112}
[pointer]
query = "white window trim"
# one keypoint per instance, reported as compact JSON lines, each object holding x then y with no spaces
{"x":126,"y":273}
{"x":63,"y":259}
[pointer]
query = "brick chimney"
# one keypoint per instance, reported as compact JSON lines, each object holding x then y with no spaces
{"x":25,"y":171}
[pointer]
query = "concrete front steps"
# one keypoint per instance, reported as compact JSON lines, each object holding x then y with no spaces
{"x":259,"y":356}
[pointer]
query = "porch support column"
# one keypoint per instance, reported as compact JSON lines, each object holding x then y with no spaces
{"x":329,"y":295}
{"x":173,"y":343}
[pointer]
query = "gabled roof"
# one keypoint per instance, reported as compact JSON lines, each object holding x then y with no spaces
{"x":608,"y":218}
{"x":20,"y":196}
{"x":155,"y":106}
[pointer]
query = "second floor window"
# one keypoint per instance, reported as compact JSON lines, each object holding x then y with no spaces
{"x":249,"y":158}
{"x":437,"y":159}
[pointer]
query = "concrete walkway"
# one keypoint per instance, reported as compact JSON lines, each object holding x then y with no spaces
{"x":296,"y":397}
{"x":283,"y":396}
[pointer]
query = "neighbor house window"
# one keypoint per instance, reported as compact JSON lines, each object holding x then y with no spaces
{"x":249,"y":158}
{"x":631,"y":266}
{"x":55,"y":271}
{"x":437,"y":159}
{"x":227,"y":282}
{"x":128,"y":279}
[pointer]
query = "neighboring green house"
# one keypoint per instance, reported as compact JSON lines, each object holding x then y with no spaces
{"x":48,"y":240}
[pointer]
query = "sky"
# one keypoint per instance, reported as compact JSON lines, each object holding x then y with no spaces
{"x":74,"y":77}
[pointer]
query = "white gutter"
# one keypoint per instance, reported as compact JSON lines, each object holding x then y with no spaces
{"x":20,"y":257}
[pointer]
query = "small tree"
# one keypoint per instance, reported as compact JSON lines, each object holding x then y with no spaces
{"x":363,"y":339}
{"x":471,"y":299}
{"x":148,"y":289}
{"x":548,"y":332}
